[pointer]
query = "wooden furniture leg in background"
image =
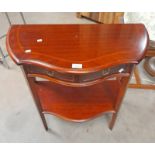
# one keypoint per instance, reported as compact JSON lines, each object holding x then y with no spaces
{"x":138,"y":83}
{"x":102,"y":17}
{"x":149,"y":66}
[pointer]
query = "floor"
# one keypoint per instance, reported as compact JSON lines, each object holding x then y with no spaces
{"x":20,"y":122}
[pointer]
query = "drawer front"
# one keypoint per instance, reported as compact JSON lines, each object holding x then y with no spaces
{"x":81,"y":78}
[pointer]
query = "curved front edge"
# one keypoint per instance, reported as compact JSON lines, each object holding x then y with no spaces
{"x":81,"y":80}
{"x":128,"y":46}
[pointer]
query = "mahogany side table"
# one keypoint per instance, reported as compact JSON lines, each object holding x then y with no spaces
{"x":84,"y":69}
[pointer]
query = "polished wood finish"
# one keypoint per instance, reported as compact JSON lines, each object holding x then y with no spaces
{"x":107,"y":54}
{"x":31,"y":82}
{"x":89,"y":45}
{"x":75,"y":80}
{"x":117,"y":17}
{"x":73,"y":103}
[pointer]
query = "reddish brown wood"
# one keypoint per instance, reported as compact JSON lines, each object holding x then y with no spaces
{"x":76,"y":80}
{"x":77,"y":104}
{"x":107,"y":54}
{"x":94,"y":46}
{"x":32,"y":85}
{"x":78,"y":84}
{"x":118,"y":98}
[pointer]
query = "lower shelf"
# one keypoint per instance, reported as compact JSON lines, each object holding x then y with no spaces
{"x":77,"y":104}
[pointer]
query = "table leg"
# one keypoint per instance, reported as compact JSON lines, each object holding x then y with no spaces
{"x":31,"y":82}
{"x":123,"y":87}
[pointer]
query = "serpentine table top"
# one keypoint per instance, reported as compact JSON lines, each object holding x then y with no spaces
{"x":94,"y":46}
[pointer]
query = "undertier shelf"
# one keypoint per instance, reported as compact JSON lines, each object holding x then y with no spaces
{"x":77,"y":104}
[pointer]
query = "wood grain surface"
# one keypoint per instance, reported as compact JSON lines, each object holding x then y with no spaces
{"x":95,"y":46}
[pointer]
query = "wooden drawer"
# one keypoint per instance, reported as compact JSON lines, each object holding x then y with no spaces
{"x":77,"y":78}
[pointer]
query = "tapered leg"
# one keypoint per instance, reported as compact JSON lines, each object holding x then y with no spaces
{"x":32,"y":82}
{"x":113,"y":120}
{"x":37,"y":101}
{"x":42,"y":117}
{"x":123,"y":81}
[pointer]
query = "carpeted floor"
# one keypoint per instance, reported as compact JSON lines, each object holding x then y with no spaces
{"x":20,"y":122}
